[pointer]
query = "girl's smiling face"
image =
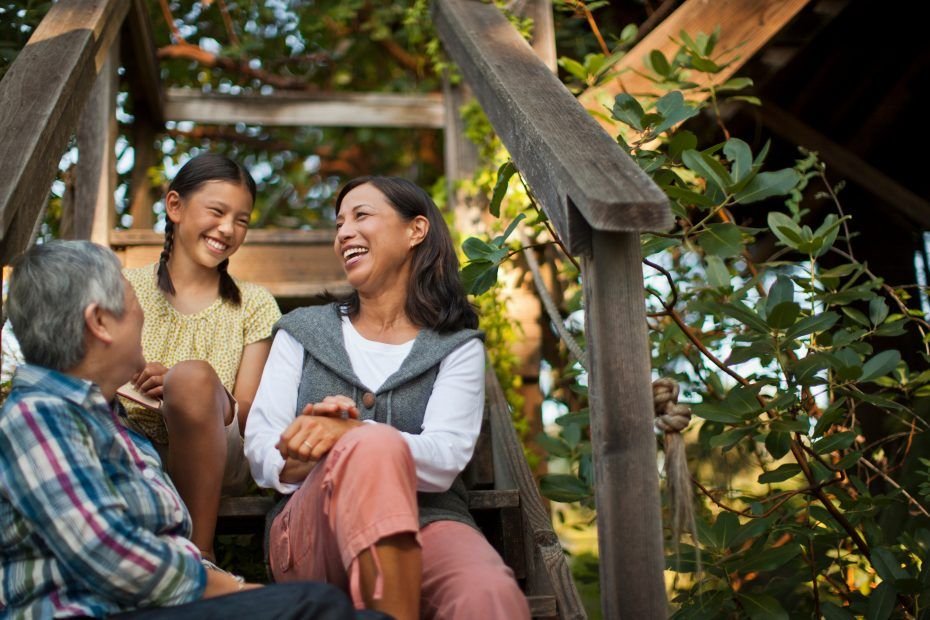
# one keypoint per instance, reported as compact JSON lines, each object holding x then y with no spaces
{"x":210,"y":222}
{"x":373,"y":241}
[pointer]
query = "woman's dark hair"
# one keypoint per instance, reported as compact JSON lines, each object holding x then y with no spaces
{"x":436,"y":298}
{"x":192,"y":175}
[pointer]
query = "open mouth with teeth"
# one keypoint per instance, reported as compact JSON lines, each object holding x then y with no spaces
{"x":217,"y":246}
{"x":352,"y":255}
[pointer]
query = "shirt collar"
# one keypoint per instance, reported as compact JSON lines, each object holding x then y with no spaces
{"x":67,"y":387}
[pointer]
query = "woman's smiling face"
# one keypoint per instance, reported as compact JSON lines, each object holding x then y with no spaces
{"x":373,"y":241}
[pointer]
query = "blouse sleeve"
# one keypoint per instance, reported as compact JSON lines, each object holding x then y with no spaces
{"x":261,"y":313}
{"x":452,"y":419}
{"x":272,"y":411}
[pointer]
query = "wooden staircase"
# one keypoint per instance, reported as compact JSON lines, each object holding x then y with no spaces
{"x":504,"y":501}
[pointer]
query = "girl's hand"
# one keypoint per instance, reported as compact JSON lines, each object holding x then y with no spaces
{"x":151,"y":380}
{"x":333,"y":407}
{"x":311,"y":437}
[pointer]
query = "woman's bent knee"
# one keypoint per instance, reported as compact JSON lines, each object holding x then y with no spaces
{"x":374,"y":441}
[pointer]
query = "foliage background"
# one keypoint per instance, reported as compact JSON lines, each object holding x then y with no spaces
{"x":809,"y":446}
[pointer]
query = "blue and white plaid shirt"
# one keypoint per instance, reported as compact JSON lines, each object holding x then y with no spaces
{"x":89,"y":523}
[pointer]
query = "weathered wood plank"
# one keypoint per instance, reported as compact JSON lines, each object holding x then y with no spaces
{"x":94,"y":207}
{"x":142,"y":72}
{"x":745,"y":26}
{"x":542,"y":606}
{"x":848,"y":165}
{"x":623,"y":441}
{"x":577,"y":172}
{"x":316,"y":109}
{"x":291,"y":264}
{"x":511,"y":469}
{"x":41,"y":96}
{"x":141,"y":195}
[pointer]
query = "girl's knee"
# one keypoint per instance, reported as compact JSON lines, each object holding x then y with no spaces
{"x":193,"y":393}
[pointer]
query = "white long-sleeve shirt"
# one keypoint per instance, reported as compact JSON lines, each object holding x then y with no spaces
{"x":451,"y":422}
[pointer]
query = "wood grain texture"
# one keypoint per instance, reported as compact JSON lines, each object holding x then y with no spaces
{"x":623,"y":442}
{"x":314,"y":109}
{"x":292,"y":264}
{"x":94,"y":207}
{"x":745,"y":26}
{"x":541,"y":539}
{"x":576,"y":171}
{"x":41,"y":96}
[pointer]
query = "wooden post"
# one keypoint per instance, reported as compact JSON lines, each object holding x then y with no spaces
{"x":623,"y":441}
{"x":140,"y":188}
{"x":41,"y":96}
{"x":598,"y":199}
{"x":95,"y":178}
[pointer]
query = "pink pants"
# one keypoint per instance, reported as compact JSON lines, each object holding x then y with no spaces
{"x":365,"y":490}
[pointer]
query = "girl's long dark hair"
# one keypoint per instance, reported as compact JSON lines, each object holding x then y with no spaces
{"x":436,"y":298}
{"x":192,"y":175}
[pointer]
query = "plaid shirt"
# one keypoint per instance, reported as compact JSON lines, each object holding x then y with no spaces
{"x":89,"y":524}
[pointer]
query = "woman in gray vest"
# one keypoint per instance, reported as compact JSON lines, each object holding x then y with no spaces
{"x":369,"y":409}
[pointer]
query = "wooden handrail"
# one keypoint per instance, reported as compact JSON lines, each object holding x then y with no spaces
{"x":574,"y":168}
{"x":41,"y":96}
{"x":599,"y":200}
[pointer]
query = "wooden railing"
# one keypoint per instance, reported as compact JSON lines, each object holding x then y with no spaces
{"x":63,"y":84}
{"x":598,"y":200}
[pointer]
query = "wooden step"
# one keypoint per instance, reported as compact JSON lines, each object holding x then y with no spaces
{"x":252,"y":507}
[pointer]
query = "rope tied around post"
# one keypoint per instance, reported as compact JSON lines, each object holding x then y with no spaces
{"x":672,"y":418}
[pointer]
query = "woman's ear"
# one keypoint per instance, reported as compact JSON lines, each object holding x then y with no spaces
{"x":173,"y":206}
{"x":97,"y":321}
{"x":417,"y":229}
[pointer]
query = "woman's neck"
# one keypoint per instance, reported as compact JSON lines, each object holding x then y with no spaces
{"x":382,"y":317}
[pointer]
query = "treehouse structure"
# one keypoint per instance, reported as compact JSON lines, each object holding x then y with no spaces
{"x":65,"y":83}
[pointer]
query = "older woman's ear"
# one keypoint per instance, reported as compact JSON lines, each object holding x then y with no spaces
{"x":417,"y":230}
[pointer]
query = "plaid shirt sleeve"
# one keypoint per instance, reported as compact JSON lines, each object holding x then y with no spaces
{"x":47,"y":455}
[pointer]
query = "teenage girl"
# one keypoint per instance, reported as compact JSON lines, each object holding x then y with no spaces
{"x":206,"y":337}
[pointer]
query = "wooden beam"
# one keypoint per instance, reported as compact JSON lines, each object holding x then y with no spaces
{"x":848,"y":165}
{"x":577,"y":172}
{"x":94,"y":206}
{"x":294,"y":264}
{"x":314,"y":109}
{"x":745,"y":26}
{"x":41,"y":96}
{"x":623,"y":441}
{"x":141,"y":65}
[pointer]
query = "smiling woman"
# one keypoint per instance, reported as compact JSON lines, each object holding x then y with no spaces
{"x":369,"y":409}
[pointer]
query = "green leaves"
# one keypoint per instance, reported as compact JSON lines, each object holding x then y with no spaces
{"x":670,"y":110}
{"x":564,"y":488}
{"x":802,"y":238}
{"x":507,"y":170}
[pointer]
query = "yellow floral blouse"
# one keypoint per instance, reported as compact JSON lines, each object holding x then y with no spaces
{"x":216,"y":334}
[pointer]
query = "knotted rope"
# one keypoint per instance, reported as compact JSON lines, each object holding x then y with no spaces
{"x":672,"y":418}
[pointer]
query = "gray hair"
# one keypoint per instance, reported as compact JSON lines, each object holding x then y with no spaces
{"x":51,"y":286}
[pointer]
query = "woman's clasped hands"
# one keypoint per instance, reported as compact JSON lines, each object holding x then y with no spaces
{"x":313,"y":434}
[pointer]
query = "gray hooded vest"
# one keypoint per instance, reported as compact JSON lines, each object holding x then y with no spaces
{"x":400,"y":401}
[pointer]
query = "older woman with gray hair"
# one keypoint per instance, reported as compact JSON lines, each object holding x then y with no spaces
{"x":91,"y":525}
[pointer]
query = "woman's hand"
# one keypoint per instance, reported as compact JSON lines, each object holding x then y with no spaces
{"x":333,"y":407}
{"x":310,"y":437}
{"x":219,"y":583}
{"x":151,"y":380}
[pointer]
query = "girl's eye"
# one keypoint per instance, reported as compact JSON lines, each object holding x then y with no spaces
{"x":215,"y":211}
